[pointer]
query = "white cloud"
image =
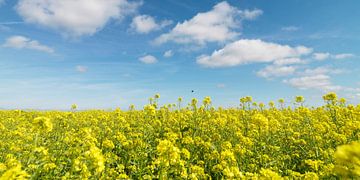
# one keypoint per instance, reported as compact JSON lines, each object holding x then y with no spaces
{"x":251,"y":14}
{"x":343,"y":56}
{"x":217,"y":25}
{"x":319,"y":82}
{"x":81,"y":69}
{"x":316,"y":78}
{"x":220,"y":85}
{"x":11,"y":22}
{"x":21,"y":42}
{"x":74,"y":17}
{"x":288,"y":61}
{"x":321,"y":70}
{"x":276,"y":71}
{"x":168,"y":54}
{"x":247,"y":51}
{"x":148,"y":59}
{"x":321,"y":56}
{"x":290,"y":28}
{"x":144,"y":24}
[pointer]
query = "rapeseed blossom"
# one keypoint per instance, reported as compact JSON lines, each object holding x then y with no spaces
{"x":43,"y":124}
{"x":257,"y":140}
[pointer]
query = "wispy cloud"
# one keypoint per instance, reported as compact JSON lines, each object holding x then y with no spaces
{"x":290,"y":28}
{"x":21,"y":42}
{"x":317,"y":78}
{"x":81,"y":69}
{"x":321,"y":56}
{"x":322,"y":70}
{"x":289,"y":61}
{"x":251,"y":14}
{"x":11,"y":22}
{"x":5,"y":26}
{"x":168,"y":53}
{"x":148,"y":59}
{"x":276,"y":71}
{"x":324,"y":56}
{"x":343,"y":56}
{"x":319,"y":82}
{"x":221,"y":85}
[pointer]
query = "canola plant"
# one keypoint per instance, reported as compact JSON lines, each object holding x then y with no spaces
{"x":197,"y":141}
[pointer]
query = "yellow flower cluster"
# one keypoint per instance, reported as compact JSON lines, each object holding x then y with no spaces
{"x":251,"y":141}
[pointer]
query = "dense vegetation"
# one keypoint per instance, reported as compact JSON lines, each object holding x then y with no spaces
{"x":252,"y":141}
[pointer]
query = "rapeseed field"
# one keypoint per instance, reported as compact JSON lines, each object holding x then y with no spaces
{"x":185,"y":141}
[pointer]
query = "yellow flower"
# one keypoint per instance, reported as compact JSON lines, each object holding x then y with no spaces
{"x":347,"y":158}
{"x":185,"y":153}
{"x":157,"y":96}
{"x":299,"y":99}
{"x":43,"y":124}
{"x":108,"y":144}
{"x":281,"y":101}
{"x":168,"y":153}
{"x":269,"y":174}
{"x":15,"y":173}
{"x":197,"y":172}
{"x":49,"y":166}
{"x":330,"y":97}
{"x":311,"y":176}
{"x":207,"y":100}
{"x":314,"y":164}
{"x":73,"y":107}
{"x":95,"y":156}
{"x":194,"y":101}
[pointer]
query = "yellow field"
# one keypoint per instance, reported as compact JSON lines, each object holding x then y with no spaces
{"x":184,"y":142}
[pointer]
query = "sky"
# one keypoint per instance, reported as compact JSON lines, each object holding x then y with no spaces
{"x":113,"y":53}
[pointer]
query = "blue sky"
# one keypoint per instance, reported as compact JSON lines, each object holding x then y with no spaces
{"x":107,"y":54}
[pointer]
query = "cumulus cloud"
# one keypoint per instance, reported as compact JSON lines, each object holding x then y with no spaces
{"x":81,"y":69}
{"x":324,"y":56}
{"x":276,"y":71}
{"x":74,"y":17}
{"x":144,"y":24}
{"x":290,"y":28}
{"x":148,"y":59}
{"x":251,"y":14}
{"x":216,"y":25}
{"x":21,"y":42}
{"x":168,"y":53}
{"x":248,"y":51}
